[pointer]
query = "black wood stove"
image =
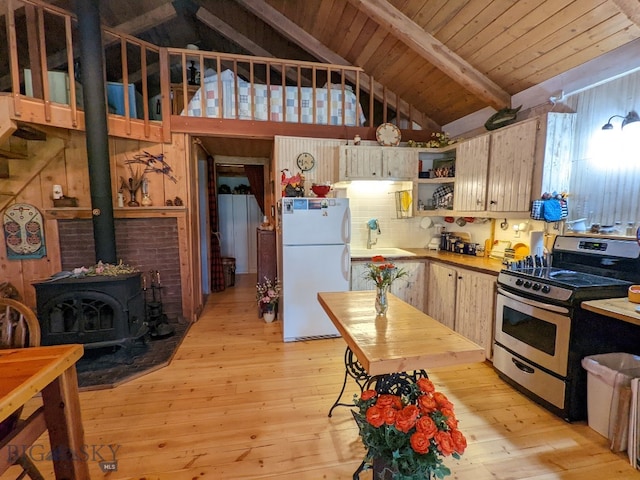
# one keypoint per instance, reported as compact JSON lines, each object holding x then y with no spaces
{"x":97,"y":311}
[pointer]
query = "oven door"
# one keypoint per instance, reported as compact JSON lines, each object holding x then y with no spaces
{"x":536,"y":331}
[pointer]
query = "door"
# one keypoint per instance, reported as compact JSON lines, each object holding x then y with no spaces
{"x":359,"y":162}
{"x":399,"y":163}
{"x":475,"y":307}
{"x":308,"y":270}
{"x":472,"y":168}
{"x":511,"y":163}
{"x":441,"y":294}
{"x":315,"y":221}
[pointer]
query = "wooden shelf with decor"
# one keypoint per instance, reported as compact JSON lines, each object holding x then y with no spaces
{"x":69,"y":213}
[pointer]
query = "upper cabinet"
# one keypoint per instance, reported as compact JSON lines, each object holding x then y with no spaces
{"x":472,"y":169}
{"x":377,"y":163}
{"x":502,"y":171}
{"x":511,"y":164}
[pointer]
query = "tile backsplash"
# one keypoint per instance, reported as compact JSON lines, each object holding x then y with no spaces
{"x":377,"y":199}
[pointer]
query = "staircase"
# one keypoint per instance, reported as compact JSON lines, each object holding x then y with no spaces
{"x":24,"y":153}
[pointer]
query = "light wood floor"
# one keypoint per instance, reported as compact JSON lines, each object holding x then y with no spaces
{"x":238,"y":403}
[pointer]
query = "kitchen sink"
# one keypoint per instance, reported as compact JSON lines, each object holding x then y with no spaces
{"x":387,"y":252}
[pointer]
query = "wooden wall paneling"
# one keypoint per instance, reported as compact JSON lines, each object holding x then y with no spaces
{"x":195,"y":254}
{"x":54,"y":174}
{"x":325,"y":151}
{"x":11,"y":270}
{"x":176,"y":154}
{"x":157,"y":181}
{"x":77,"y":170}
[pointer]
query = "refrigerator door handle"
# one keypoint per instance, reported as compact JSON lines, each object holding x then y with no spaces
{"x":346,"y":263}
{"x":347,"y":225}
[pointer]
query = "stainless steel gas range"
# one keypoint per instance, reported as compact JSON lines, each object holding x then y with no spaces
{"x":542,"y":333}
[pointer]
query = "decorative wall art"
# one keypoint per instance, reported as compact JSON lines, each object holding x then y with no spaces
{"x":23,"y":232}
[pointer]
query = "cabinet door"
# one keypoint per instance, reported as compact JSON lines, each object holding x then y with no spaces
{"x":409,"y":288}
{"x":358,"y":162}
{"x":475,"y":307}
{"x":399,"y":163}
{"x":511,"y":162}
{"x":472,"y":167}
{"x":441,"y":294}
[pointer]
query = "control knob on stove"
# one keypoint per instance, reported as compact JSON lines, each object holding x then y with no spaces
{"x":519,"y":282}
{"x":536,"y":286}
{"x":546,"y":289}
{"x":527,"y":284}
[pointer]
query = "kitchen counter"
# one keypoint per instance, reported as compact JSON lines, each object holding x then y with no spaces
{"x":479,"y":264}
{"x":620,"y":308}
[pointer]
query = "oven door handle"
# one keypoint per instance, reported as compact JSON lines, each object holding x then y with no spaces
{"x":533,"y":303}
{"x":522,"y":366}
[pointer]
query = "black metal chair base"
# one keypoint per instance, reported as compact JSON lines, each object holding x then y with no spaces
{"x":393,"y":383}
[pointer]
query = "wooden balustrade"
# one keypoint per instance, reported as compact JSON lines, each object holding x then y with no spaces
{"x":133,"y":66}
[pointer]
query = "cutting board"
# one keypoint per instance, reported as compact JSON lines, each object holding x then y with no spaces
{"x":498,"y":248}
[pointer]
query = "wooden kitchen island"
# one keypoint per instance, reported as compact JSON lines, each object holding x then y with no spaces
{"x":404,"y":340}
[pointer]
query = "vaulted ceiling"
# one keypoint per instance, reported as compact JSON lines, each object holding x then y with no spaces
{"x":447,"y":58}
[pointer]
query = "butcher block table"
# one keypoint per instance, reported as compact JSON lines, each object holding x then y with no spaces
{"x":51,"y":371}
{"x":620,"y":308}
{"x":404,"y":340}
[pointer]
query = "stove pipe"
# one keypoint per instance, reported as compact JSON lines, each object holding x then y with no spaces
{"x":93,"y":86}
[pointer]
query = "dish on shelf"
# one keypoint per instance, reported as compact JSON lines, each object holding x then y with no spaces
{"x":388,"y":135}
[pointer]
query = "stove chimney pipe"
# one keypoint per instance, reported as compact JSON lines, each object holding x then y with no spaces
{"x":93,"y":86}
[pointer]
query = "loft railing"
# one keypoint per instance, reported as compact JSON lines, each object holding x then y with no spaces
{"x":145,"y":82}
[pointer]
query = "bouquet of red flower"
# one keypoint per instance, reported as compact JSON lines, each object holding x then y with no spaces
{"x":410,"y":434}
{"x":382,"y":272}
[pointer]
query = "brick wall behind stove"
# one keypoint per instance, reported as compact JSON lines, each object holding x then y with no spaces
{"x":146,"y":243}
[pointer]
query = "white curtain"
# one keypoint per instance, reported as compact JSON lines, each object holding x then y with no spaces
{"x":605,"y":173}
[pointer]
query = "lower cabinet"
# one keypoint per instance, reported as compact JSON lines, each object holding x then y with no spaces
{"x":409,"y":288}
{"x":464,"y":301}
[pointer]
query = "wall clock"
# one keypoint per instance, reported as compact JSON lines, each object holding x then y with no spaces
{"x":388,"y":135}
{"x":305,"y":161}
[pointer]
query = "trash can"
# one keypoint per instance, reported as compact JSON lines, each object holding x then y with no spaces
{"x":229,"y":268}
{"x":609,"y":378}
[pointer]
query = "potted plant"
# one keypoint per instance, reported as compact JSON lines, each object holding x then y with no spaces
{"x":408,"y":436}
{"x":267,"y":296}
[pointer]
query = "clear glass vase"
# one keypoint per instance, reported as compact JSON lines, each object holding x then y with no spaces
{"x":382,"y":302}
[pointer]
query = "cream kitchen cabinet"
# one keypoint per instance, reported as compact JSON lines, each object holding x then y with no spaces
{"x":494,"y":172}
{"x":512,"y":158}
{"x":409,"y":288}
{"x":502,"y":171}
{"x":464,"y":301}
{"x":377,"y":163}
{"x":472,"y":171}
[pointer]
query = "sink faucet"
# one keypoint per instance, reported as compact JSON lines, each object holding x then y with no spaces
{"x":372,"y":225}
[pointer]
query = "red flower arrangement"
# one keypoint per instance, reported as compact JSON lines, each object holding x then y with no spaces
{"x":382,"y":272}
{"x":410,"y":434}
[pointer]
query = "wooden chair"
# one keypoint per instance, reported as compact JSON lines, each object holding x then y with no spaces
{"x":19,"y":328}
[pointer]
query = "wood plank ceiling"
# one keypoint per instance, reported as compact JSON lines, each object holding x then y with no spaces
{"x":447,"y":58}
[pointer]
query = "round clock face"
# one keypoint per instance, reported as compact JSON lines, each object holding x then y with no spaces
{"x":306,"y":161}
{"x":388,"y":135}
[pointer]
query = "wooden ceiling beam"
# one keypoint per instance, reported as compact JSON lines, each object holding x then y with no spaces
{"x":630,"y":8}
{"x":308,"y":42}
{"x":434,"y":51}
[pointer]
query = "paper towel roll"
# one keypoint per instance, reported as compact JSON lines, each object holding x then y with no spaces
{"x":536,"y":240}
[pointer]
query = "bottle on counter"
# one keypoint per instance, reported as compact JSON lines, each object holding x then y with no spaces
{"x":631,"y":230}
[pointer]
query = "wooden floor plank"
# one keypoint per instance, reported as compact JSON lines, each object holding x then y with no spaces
{"x":237,"y":403}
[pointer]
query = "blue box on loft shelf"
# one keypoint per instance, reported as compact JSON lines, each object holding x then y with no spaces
{"x":115,"y":99}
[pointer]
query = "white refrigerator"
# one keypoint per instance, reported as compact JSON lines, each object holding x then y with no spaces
{"x":315,"y":258}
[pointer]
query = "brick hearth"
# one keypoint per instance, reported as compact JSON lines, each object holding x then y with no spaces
{"x":146,"y":243}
